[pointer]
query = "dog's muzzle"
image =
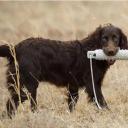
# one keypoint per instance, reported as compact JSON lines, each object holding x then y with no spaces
{"x":110,"y":52}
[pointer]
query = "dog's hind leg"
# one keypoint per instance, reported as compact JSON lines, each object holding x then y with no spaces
{"x":14,"y":100}
{"x":72,"y":97}
{"x":12,"y":105}
{"x":33,"y":101}
{"x":31,"y":83}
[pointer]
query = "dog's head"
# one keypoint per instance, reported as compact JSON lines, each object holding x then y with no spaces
{"x":111,"y":39}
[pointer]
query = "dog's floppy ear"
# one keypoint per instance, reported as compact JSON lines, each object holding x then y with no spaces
{"x":96,"y":37}
{"x":97,"y":33}
{"x":123,"y":41}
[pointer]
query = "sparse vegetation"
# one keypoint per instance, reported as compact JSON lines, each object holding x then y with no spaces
{"x":64,"y":21}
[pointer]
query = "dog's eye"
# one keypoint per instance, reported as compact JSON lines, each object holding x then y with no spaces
{"x":115,"y":38}
{"x":105,"y":39}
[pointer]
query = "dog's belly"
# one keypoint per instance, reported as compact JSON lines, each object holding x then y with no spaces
{"x":56,"y":78}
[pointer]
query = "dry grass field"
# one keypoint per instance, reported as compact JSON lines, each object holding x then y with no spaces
{"x":65,"y":21}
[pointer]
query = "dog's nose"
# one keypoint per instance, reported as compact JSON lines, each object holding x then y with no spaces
{"x":111,"y":53}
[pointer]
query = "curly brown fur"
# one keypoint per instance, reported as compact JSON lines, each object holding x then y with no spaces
{"x":63,"y":63}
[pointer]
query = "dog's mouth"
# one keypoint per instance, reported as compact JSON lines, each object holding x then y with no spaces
{"x":110,"y":55}
{"x":111,"y":61}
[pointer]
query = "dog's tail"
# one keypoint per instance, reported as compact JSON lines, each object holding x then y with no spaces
{"x":5,"y":51}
